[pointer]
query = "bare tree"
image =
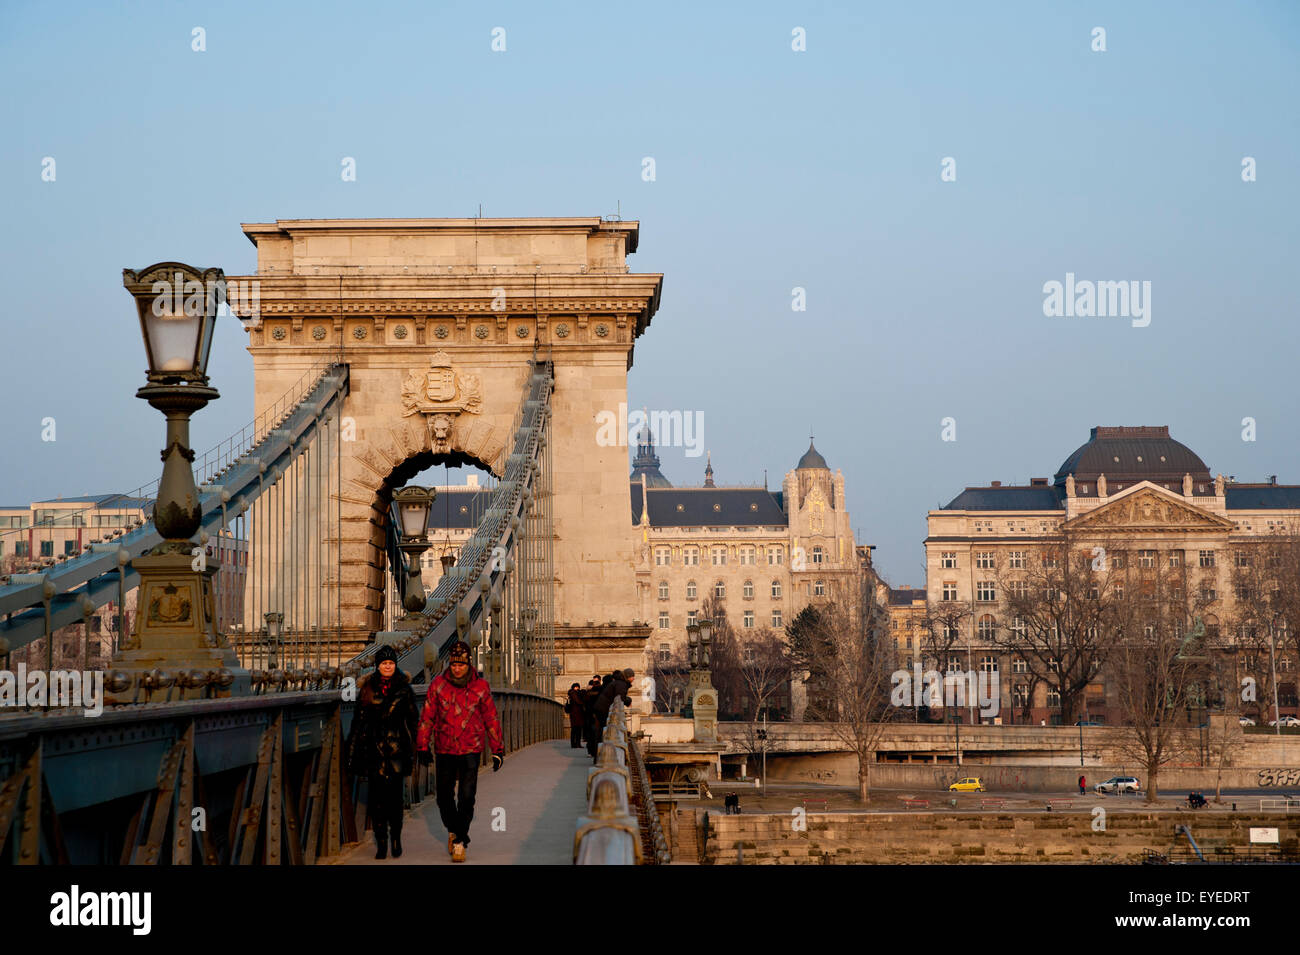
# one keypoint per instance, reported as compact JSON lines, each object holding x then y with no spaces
{"x":1056,"y":614}
{"x":725,"y":662}
{"x":765,"y":671}
{"x":1266,"y":616}
{"x":671,"y":677}
{"x":847,"y":644}
{"x":1160,"y":663}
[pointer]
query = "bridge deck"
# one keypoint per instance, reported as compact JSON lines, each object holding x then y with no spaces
{"x":542,"y":789}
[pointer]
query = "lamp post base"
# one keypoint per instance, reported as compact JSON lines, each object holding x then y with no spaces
{"x":175,"y":632}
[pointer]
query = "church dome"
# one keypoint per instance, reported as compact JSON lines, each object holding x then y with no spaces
{"x":1131,"y":454}
{"x":645,"y":466}
{"x":811,"y":459}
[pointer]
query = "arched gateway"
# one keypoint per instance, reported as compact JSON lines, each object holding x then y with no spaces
{"x":437,"y":321}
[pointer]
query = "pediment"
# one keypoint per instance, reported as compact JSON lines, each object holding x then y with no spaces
{"x":1148,"y":508}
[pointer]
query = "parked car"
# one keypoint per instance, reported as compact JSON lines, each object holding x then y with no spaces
{"x":968,"y":785}
{"x":1119,"y":784}
{"x":1246,"y":721}
{"x":1285,"y":721}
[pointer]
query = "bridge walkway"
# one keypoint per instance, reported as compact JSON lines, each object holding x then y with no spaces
{"x":542,"y":790}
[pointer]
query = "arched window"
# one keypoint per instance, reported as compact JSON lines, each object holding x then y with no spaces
{"x":776,"y":590}
{"x":988,"y":627}
{"x":817,"y":554}
{"x":719,"y":589}
{"x":690,"y":590}
{"x":819,"y":589}
{"x":749,"y":590}
{"x":663,"y":590}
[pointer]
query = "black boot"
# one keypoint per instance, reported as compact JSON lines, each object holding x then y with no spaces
{"x":397,"y":842}
{"x":381,"y":841}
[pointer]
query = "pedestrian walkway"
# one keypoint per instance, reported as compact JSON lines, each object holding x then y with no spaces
{"x":536,"y":800}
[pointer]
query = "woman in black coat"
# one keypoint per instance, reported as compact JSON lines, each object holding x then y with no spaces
{"x":381,"y":746}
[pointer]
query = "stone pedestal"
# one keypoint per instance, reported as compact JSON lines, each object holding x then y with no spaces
{"x":175,"y":627}
{"x":704,"y":706}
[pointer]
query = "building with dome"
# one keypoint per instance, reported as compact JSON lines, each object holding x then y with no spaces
{"x":1133,"y":484}
{"x":763,"y":555}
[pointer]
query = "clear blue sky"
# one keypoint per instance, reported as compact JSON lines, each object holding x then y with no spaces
{"x":775,"y":169}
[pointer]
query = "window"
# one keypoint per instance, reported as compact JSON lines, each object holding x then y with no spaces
{"x":663,"y":556}
{"x":750,"y":654}
{"x":1018,"y":665}
{"x":1146,"y":558}
{"x":747,"y":555}
{"x":1208,"y":593}
{"x":909,"y":643}
{"x":1054,"y":666}
{"x":663,"y":621}
{"x":1049,"y":560}
{"x":665,"y":651}
{"x":817,"y":555}
{"x":1020,"y":695}
{"x":1242,"y":558}
{"x":988,"y":627}
{"x":719,"y":589}
{"x":989,"y":664}
{"x":1176,"y":558}
{"x":663,"y":590}
{"x":690,"y":590}
{"x":719,"y":556}
{"x":1207,"y":558}
{"x":1054,"y":698}
{"x":950,"y":590}
{"x":747,"y":621}
{"x":954,"y":664}
{"x":984,"y":559}
{"x":690,"y":618}
{"x":747,"y":591}
{"x":20,"y":549}
{"x":776,"y":619}
{"x":1018,"y":628}
{"x":776,"y":590}
{"x":1020,"y":588}
{"x":69,"y":547}
{"x":819,"y":589}
{"x":1016,"y":559}
{"x":1052,"y":592}
{"x":986,"y":591}
{"x":690,"y":557}
{"x":47,"y":548}
{"x":95,"y":624}
{"x":948,"y":559}
{"x":775,"y":556}
{"x":950,"y":632}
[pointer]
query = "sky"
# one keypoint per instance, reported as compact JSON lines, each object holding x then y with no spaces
{"x":920,"y":171}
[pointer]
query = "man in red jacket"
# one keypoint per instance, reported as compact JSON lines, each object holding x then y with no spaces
{"x":458,"y":712}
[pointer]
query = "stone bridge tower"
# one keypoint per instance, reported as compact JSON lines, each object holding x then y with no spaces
{"x":437,"y":320}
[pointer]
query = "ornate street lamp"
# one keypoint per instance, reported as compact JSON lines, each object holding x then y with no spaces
{"x":409,"y":513}
{"x":175,"y":630}
{"x":274,"y":640}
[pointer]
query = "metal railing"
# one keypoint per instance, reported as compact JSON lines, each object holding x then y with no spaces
{"x":613,"y":832}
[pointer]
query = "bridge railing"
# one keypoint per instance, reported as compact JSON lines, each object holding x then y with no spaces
{"x":266,"y":774}
{"x":621,"y":826}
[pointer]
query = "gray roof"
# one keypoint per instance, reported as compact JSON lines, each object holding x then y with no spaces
{"x":1127,"y":455}
{"x":101,"y":500}
{"x":1260,"y":497}
{"x":702,"y":506}
{"x":811,"y":459}
{"x":1010,"y":498}
{"x":458,"y":510}
{"x":904,"y":598}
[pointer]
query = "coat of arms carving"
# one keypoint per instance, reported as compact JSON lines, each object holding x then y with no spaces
{"x":440,"y":394}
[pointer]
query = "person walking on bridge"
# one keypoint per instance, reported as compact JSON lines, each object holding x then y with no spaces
{"x":381,"y":747}
{"x":458,"y":713}
{"x":577,"y":716}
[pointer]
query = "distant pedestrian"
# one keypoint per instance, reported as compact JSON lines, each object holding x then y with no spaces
{"x":577,"y":716}
{"x":617,"y":684}
{"x":381,"y":747}
{"x":458,"y":713}
{"x":592,"y":727}
{"x":1083,"y":785}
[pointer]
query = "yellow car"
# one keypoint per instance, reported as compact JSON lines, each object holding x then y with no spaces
{"x":971,"y":784}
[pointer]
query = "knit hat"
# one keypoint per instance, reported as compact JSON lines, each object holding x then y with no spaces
{"x":459,"y":652}
{"x":385,"y":653}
